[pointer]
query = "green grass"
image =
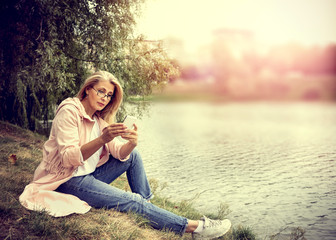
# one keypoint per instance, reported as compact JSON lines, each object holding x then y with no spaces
{"x":177,"y":98}
{"x":16,"y":222}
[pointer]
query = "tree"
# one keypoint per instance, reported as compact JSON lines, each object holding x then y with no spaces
{"x":48,"y":47}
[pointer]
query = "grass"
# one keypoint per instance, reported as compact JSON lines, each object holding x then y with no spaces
{"x":185,"y":97}
{"x":16,"y":222}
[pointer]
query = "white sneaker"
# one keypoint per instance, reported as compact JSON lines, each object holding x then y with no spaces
{"x":212,"y":229}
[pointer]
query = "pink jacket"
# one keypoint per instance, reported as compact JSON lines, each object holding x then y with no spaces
{"x":71,"y":129}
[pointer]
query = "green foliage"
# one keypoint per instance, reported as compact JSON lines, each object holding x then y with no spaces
{"x":243,"y":233}
{"x":48,"y":47}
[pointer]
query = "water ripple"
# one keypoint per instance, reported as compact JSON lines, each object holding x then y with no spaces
{"x":273,"y":164}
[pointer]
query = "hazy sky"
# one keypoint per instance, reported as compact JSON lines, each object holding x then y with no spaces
{"x":272,"y":21}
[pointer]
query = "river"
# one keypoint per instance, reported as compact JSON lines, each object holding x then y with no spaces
{"x":274,"y":164}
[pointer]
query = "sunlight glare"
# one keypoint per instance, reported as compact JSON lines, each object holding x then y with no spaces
{"x":271,"y":21}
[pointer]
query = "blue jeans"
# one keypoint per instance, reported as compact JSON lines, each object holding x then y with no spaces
{"x":95,"y":189}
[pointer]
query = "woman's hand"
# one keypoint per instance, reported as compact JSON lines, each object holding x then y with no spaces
{"x":131,"y":135}
{"x":112,"y":131}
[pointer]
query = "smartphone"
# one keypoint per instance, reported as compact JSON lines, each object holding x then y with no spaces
{"x":129,"y":121}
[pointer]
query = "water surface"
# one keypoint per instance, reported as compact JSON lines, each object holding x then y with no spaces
{"x":272,"y":163}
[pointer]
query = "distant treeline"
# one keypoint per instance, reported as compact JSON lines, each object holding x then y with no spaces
{"x":279,"y":60}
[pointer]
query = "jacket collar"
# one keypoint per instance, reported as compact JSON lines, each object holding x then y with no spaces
{"x":76,"y":103}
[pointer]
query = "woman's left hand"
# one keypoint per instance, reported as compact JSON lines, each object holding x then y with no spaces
{"x":131,"y":135}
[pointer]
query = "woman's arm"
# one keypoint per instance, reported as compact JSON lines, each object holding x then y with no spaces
{"x":126,"y":150}
{"x":65,"y":138}
{"x":109,"y":133}
{"x":90,"y":148}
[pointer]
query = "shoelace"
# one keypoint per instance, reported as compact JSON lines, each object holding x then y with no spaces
{"x":213,"y":223}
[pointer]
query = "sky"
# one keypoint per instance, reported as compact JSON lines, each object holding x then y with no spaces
{"x":309,"y":22}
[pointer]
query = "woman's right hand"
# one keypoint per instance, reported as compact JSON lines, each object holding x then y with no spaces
{"x":112,"y":131}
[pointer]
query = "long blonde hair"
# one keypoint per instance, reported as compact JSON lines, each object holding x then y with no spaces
{"x":111,"y":109}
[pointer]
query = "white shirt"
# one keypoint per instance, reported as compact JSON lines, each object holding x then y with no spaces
{"x":91,"y":163}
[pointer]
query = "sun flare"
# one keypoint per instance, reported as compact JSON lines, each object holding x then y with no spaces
{"x":271,"y":21}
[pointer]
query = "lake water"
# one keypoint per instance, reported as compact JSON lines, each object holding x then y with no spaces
{"x":274,"y":164}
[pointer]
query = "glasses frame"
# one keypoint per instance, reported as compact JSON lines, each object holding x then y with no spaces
{"x":103,"y":95}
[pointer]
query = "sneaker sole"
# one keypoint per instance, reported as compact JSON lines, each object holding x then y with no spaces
{"x":213,"y":237}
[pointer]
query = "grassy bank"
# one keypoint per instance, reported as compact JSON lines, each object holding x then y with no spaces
{"x":18,"y":223}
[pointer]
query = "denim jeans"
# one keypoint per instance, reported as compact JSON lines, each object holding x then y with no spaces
{"x":95,"y":189}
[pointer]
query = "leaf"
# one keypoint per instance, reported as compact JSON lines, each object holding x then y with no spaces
{"x":12,"y":159}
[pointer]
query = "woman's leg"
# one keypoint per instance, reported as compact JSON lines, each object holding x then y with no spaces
{"x":135,"y":173}
{"x":100,"y":194}
{"x":97,"y":192}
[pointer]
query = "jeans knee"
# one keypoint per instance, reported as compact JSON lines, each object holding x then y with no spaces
{"x":137,"y":198}
{"x":135,"y":156}
{"x":136,"y":203}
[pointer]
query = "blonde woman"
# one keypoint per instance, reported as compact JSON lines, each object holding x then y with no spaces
{"x":83,"y":156}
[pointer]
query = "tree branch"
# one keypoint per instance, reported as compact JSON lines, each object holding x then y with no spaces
{"x":40,"y":31}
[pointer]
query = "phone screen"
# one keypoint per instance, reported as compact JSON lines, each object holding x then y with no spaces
{"x":129,"y":121}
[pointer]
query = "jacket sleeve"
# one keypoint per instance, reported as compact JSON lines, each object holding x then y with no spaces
{"x":67,"y":136}
{"x":115,"y":146}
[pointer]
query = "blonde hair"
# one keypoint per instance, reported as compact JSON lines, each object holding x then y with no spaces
{"x":111,"y":109}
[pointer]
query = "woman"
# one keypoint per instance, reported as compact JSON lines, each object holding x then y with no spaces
{"x":83,"y":156}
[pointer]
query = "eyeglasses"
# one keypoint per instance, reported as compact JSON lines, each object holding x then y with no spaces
{"x":102,"y":94}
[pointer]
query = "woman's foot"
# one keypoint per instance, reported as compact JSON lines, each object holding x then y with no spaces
{"x":212,"y":228}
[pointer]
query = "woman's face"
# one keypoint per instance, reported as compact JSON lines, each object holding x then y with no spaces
{"x":100,"y":95}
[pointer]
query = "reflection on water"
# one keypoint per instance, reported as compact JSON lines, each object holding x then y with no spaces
{"x":273,"y":164}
